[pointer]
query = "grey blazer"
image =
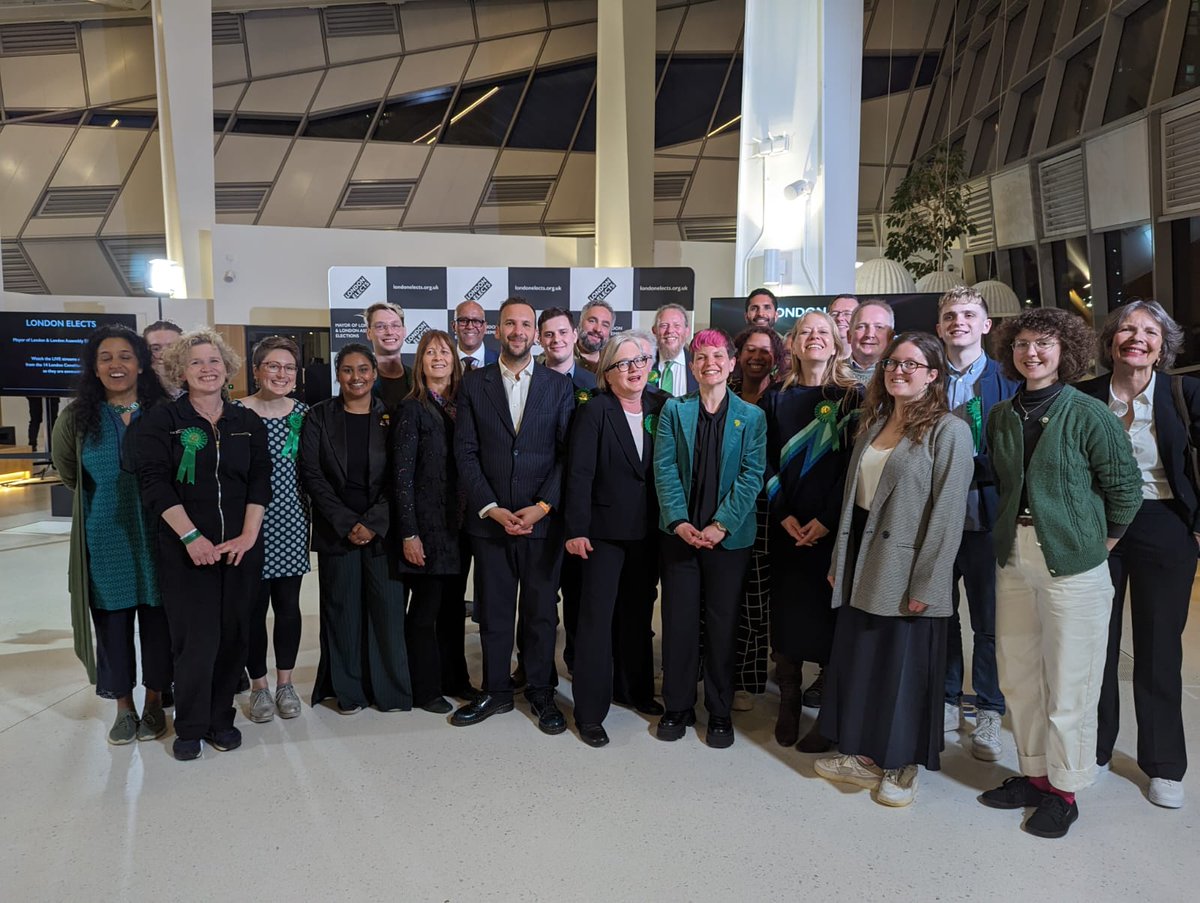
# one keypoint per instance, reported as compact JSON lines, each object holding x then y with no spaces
{"x":915,"y":526}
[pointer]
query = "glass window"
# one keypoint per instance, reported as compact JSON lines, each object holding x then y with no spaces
{"x":1072,"y":97}
{"x":1185,"y":280}
{"x":970,"y":100}
{"x":1089,"y":12}
{"x":1023,"y":267}
{"x":875,"y":81}
{"x":1043,"y":38}
{"x":415,"y":117}
{"x":927,"y":70}
{"x":119,"y":119}
{"x":731,"y":101}
{"x":586,"y":139}
{"x":687,"y":100}
{"x":1136,"y":58}
{"x":220,"y":120}
{"x":1072,"y":276}
{"x":1012,"y":39}
{"x":1129,"y":264}
{"x":1026,"y":118}
{"x":983,"y":161}
{"x":482,"y":113}
{"x":263,"y":125}
{"x":552,"y":107}
{"x":985,"y":265}
{"x":349,"y":124}
{"x":1188,"y":74}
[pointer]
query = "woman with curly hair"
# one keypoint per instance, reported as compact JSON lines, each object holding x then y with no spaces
{"x":892,"y":574}
{"x":1068,"y":487}
{"x":112,"y":569}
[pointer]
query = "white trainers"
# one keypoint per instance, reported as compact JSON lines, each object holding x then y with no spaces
{"x":951,"y":717}
{"x":262,"y":706}
{"x":898,"y":787}
{"x":1168,"y":794}
{"x":985,"y":739}
{"x":743,"y":701}
{"x":848,"y":770}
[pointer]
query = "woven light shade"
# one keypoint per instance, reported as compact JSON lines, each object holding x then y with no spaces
{"x":883,"y":277}
{"x":1001,"y":300}
{"x":939,"y":281}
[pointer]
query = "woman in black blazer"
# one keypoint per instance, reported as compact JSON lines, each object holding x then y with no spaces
{"x":429,"y":515}
{"x":1156,"y":558}
{"x":345,"y":469}
{"x":611,"y":511}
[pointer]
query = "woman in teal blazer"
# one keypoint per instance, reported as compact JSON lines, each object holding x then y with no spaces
{"x":709,"y":457}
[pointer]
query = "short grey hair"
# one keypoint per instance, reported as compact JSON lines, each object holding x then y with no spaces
{"x":1172,"y":332}
{"x":873,"y":302}
{"x":599,"y":302}
{"x":672,"y":306}
{"x":609,"y":353}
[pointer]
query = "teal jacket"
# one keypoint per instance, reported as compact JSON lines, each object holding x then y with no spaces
{"x":1081,"y":478}
{"x":743,"y":460}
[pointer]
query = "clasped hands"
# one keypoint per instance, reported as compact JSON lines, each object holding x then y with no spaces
{"x":517,"y":523}
{"x":708,"y":538}
{"x":203,"y":552}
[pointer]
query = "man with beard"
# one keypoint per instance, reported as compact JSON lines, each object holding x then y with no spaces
{"x":386,"y":332}
{"x":672,"y":366}
{"x":509,"y":444}
{"x":469,"y":327}
{"x":871,"y":330}
{"x":595,"y":326}
{"x":761,"y":309}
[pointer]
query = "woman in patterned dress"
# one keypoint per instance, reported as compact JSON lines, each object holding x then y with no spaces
{"x":111,"y":573}
{"x":276,"y":361}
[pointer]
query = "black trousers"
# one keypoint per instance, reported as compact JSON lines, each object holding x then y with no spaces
{"x":116,"y":661}
{"x":802,"y":616}
{"x":452,"y":634}
{"x":282,"y":594}
{"x":517,"y":573}
{"x":571,"y":579}
{"x":614,"y":655}
{"x":691,"y":577}
{"x":208,"y":611}
{"x":434,"y":631}
{"x":1156,"y":561}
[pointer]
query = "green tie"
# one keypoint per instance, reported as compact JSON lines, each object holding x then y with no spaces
{"x":667,"y":383}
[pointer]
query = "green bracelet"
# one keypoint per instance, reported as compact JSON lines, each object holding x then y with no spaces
{"x":190,"y":537}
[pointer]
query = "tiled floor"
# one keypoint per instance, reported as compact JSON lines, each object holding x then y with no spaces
{"x":404,"y":807}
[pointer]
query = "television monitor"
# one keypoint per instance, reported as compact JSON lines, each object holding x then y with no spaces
{"x":39,"y":353}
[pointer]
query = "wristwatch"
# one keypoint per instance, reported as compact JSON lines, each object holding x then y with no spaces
{"x":720,"y":526}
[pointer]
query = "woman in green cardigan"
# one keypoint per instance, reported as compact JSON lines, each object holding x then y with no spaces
{"x":111,"y":570}
{"x":1068,"y":487}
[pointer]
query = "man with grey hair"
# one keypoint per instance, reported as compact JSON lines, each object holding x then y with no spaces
{"x":871,"y":329}
{"x":672,"y":371}
{"x":595,"y":326}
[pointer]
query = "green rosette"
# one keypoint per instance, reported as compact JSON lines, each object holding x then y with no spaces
{"x":975,"y":419}
{"x":192,"y":439}
{"x":650,"y":422}
{"x":291,"y":445}
{"x":583,"y":396}
{"x":653,"y":377}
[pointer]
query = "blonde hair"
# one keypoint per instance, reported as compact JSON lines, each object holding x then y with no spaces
{"x":837,"y":372}
{"x":175,"y":358}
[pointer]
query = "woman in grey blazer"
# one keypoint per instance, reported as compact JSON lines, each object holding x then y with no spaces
{"x":892,"y":573}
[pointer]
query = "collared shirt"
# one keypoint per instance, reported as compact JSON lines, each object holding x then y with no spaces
{"x":961,"y":389}
{"x":862,"y":374}
{"x":1144,"y":438}
{"x":477,"y":356}
{"x":678,"y":365}
{"x":516,"y":387}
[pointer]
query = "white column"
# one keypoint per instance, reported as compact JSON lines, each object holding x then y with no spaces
{"x":801,"y":98}
{"x":183,"y":61}
{"x":625,"y":133}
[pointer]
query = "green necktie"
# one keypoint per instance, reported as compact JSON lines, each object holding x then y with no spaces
{"x":667,"y":383}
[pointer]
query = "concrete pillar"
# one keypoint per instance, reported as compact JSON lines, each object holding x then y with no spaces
{"x":625,"y":133}
{"x":183,"y":63}
{"x":798,"y":167}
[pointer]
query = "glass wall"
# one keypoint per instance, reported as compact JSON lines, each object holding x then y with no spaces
{"x":1129,"y":264}
{"x":1022,"y":265}
{"x":1185,"y":278}
{"x":1136,"y":58}
{"x":1072,"y":276}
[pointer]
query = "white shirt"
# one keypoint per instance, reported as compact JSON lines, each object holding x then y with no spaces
{"x":678,"y":366}
{"x":635,"y":427}
{"x":870,"y":469}
{"x":1144,"y":438}
{"x":516,"y":387}
{"x":477,"y":354}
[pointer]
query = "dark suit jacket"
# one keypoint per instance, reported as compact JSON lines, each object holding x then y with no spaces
{"x":687,"y":369}
{"x":609,"y":492}
{"x":991,"y":387}
{"x":583,"y":379}
{"x":323,"y":473}
{"x":425,"y":485}
{"x":1171,"y":432}
{"x":498,"y":464}
{"x":490,"y":355}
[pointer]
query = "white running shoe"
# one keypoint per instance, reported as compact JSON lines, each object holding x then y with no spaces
{"x":1168,"y":794}
{"x":985,"y":739}
{"x":898,"y":787}
{"x":848,"y":770}
{"x":951,"y":717}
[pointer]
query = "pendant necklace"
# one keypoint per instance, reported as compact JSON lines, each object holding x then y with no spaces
{"x":1027,"y":413}
{"x":126,"y":408}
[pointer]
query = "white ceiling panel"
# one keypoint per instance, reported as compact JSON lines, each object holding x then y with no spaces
{"x":500,"y":17}
{"x":284,"y":41}
{"x":227,"y":97}
{"x":366,"y":219}
{"x":430,"y":70}
{"x":870,"y":184}
{"x":63,"y":226}
{"x":666,"y":232}
{"x":569,"y":44}
{"x":900,"y":25}
{"x":574,"y":199}
{"x":508,"y":215}
{"x":713,"y":190}
{"x":712,"y":27}
{"x":912,"y":125}
{"x":504,"y":56}
{"x":674,"y":164}
{"x":451,"y":187}
{"x":229,"y":62}
{"x":388,"y":160}
{"x":667,"y":27}
{"x":74,"y":268}
{"x":667,"y":209}
{"x":688,"y":149}
{"x":286,"y":94}
{"x":237,"y":219}
{"x":726,"y":144}
{"x":310,"y":183}
{"x":28,"y":154}
{"x":435,"y":23}
{"x":119,"y":61}
{"x":42,"y":82}
{"x":346,"y":50}
{"x":529,"y":163}
{"x":882,"y":118}
{"x":99,"y":156}
{"x":139,"y":207}
{"x":348,"y":85}
{"x":250,"y":158}
{"x":563,"y":12}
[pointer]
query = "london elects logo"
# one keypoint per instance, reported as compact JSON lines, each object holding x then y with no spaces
{"x":415,"y":336}
{"x":361,"y":284}
{"x":478,"y":290}
{"x":603,"y":290}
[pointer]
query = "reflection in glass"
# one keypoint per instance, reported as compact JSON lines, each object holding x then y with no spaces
{"x":1136,"y":58}
{"x":1185,"y":282}
{"x":1026,"y":118}
{"x":482,"y":113}
{"x":1022,"y":265}
{"x":1043,"y":38}
{"x":552,"y":108}
{"x":266,"y":125}
{"x":987,"y":141}
{"x":1072,"y":96}
{"x":1089,"y":12}
{"x":1129,"y":264}
{"x":970,"y":99}
{"x":1188,"y":74}
{"x":352,"y":124}
{"x":731,"y":101}
{"x":875,"y":71}
{"x":1072,"y":276}
{"x":1012,"y":39}
{"x":687,"y":100}
{"x":413,"y":118}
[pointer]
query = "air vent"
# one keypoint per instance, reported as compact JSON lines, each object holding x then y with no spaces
{"x":1064,"y":200}
{"x":1181,"y":164}
{"x":131,"y":258}
{"x":868,"y":231}
{"x":710,"y":229}
{"x":670,"y":186}
{"x":38,"y":37}
{"x":979,"y":215}
{"x":523,"y":190}
{"x":227,"y":29}
{"x":360,"y":20}
{"x":241,"y":197}
{"x":377,"y":195}
{"x":19,"y":274}
{"x":77,"y":201}
{"x":571,"y":230}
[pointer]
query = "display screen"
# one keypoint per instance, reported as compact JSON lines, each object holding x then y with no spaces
{"x":917,"y":311}
{"x":39,"y":353}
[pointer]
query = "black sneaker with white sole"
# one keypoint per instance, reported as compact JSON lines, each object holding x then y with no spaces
{"x":1053,"y":818}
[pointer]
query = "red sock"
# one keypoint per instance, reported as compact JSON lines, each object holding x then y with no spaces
{"x":1043,"y":784}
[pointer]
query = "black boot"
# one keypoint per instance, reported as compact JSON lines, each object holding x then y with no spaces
{"x":788,"y":674}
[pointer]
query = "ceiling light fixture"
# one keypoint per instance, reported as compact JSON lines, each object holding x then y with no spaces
{"x":457,"y":116}
{"x":722,"y":128}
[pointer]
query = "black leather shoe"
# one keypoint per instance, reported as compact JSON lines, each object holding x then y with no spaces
{"x":720,"y":732}
{"x":673,"y":725}
{"x":550,"y":719}
{"x":230,"y":738}
{"x":439,"y":705}
{"x":592,"y":734}
{"x":481,"y":709}
{"x":649,"y":707}
{"x":466,"y":693}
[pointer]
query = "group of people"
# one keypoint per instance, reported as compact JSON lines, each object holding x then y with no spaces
{"x":815,"y":498}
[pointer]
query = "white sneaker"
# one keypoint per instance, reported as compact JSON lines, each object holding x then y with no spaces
{"x":848,"y":770}
{"x":898,"y":787}
{"x":1168,"y":794}
{"x":985,"y":739}
{"x":951,"y":717}
{"x":743,"y":701}
{"x":262,"y":706}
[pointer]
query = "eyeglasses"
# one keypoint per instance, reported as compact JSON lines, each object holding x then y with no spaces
{"x":469,"y":322}
{"x":909,"y":367}
{"x":841,"y":314}
{"x":638,"y":363}
{"x":275,"y":369}
{"x":388,"y":327}
{"x":1039,"y":344}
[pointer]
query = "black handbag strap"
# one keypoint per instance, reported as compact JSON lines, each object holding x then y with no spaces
{"x":1182,"y":410}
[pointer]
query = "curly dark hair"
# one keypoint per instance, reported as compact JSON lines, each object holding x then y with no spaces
{"x":921,"y":414}
{"x":90,"y":395}
{"x":778,"y":354}
{"x":1076,"y":341}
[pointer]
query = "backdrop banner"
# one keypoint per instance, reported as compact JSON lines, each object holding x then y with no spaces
{"x":913,"y":312}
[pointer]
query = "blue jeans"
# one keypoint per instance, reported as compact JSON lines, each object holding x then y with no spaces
{"x":976,"y":565}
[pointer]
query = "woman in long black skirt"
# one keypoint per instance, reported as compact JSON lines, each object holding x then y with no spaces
{"x":892,"y":573}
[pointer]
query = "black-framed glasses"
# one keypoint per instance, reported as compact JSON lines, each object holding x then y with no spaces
{"x":638,"y":362}
{"x":909,"y":367}
{"x":468,"y":322}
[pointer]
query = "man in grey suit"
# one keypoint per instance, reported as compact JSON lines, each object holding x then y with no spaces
{"x":509,"y":443}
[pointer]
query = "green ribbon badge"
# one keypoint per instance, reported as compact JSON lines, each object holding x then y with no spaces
{"x":291,"y":445}
{"x":192,"y":439}
{"x":650,"y":423}
{"x":975,"y":419}
{"x":653,"y":377}
{"x":583,"y":396}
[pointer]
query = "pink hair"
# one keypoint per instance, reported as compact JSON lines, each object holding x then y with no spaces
{"x":712,"y":338}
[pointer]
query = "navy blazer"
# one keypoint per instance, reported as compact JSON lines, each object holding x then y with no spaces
{"x":496,"y":463}
{"x":1171,"y":433}
{"x":583,"y":378}
{"x":991,"y":387}
{"x":490,"y":355}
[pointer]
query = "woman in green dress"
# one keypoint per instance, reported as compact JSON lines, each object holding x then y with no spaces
{"x":111,"y":573}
